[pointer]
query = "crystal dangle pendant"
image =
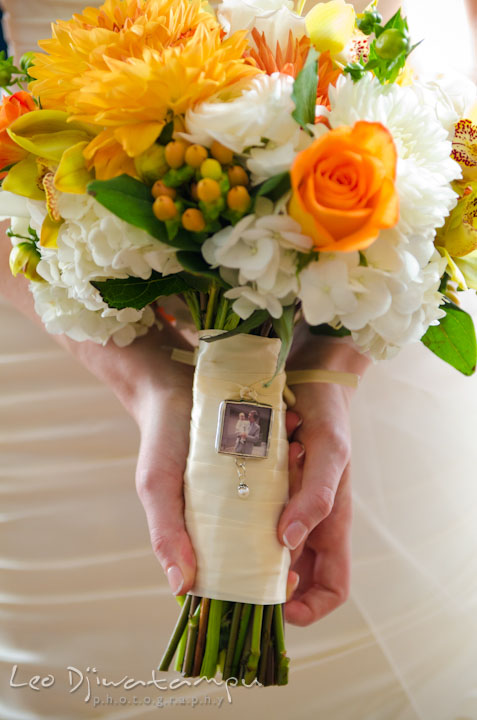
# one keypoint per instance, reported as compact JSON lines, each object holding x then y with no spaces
{"x":242,"y":488}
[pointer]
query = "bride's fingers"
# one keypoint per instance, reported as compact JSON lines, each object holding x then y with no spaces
{"x":327,"y":453}
{"x":159,"y":478}
{"x":324,"y":581}
{"x":293,"y":421}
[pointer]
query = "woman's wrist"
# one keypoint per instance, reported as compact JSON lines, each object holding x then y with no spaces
{"x":326,"y":353}
{"x":139,"y":374}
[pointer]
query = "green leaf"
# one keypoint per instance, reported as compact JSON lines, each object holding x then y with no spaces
{"x":304,"y":91}
{"x":275,"y":187}
{"x":134,"y":292}
{"x":254,"y":321}
{"x":166,"y":134}
{"x":453,"y":340}
{"x":195,"y":264}
{"x":326,"y":329}
{"x":283,"y":327}
{"x":131,"y":201}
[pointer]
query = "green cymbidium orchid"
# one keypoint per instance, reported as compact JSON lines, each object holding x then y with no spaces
{"x":47,"y":133}
{"x":459,"y":234}
{"x":55,"y":162}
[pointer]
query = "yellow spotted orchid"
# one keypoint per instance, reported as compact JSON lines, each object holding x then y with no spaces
{"x":464,"y":147}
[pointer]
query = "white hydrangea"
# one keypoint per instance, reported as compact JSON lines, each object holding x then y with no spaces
{"x":94,"y":244}
{"x":260,"y":119}
{"x":275,"y":18}
{"x":258,"y":258}
{"x":62,"y":314}
{"x":389,"y":295}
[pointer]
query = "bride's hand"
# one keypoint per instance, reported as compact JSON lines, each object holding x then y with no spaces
{"x":157,"y":392}
{"x":316,"y":523}
{"x":162,"y":409}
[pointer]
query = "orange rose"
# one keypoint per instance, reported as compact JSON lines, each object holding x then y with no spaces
{"x":13,"y":107}
{"x":343,"y":187}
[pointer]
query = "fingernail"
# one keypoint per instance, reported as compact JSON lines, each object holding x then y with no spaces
{"x":295,"y":533}
{"x":292,"y":586}
{"x":301,"y":454}
{"x":175,"y":579}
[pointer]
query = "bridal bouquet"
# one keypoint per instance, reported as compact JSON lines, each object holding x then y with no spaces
{"x":264,"y":168}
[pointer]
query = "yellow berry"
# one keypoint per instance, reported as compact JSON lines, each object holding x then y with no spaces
{"x":193,"y":192}
{"x":238,"y":198}
{"x":193,"y":220}
{"x":195,"y":155}
{"x":237,"y":176}
{"x":164,"y":208}
{"x":208,"y":190}
{"x":221,"y":153}
{"x":160,"y":189}
{"x":211,"y":168}
{"x":175,"y":153}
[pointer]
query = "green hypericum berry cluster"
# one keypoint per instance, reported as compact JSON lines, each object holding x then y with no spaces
{"x":388,"y":50}
{"x":11,"y":75}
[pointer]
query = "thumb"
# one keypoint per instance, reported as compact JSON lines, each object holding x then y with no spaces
{"x":159,"y":483}
{"x":326,"y":457}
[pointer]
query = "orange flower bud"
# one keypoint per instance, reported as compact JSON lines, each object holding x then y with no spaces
{"x":195,"y":155}
{"x":208,"y":190}
{"x":237,"y":176}
{"x":164,"y":208}
{"x":221,"y":153}
{"x":238,"y":199}
{"x":175,"y":153}
{"x":160,"y":189}
{"x":193,"y":220}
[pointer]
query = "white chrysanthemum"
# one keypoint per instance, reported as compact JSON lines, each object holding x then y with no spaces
{"x":94,"y":244}
{"x":258,"y":258}
{"x":275,"y":18}
{"x":260,"y":118}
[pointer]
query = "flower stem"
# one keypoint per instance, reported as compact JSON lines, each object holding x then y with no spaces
{"x":192,"y":629}
{"x":254,"y":655}
{"x":176,"y":636}
{"x":201,"y":637}
{"x":270,"y":674}
{"x":209,"y":663}
{"x":222,"y":312}
{"x":241,"y":635}
{"x":234,"y":628}
{"x":193,"y":304}
{"x":267,"y":629}
{"x":181,"y":652}
{"x":282,"y":661}
{"x":209,"y":315}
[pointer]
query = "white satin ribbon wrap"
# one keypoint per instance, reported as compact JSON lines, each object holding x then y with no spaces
{"x":239,"y":557}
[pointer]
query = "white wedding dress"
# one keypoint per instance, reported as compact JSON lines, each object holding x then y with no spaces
{"x":80,"y":587}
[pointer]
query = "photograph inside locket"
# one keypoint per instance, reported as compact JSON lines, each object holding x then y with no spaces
{"x":245,"y":429}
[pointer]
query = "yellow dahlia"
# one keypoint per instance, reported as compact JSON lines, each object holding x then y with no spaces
{"x":132,"y":65}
